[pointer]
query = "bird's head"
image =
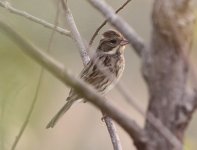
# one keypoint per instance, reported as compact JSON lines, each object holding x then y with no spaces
{"x":111,"y":42}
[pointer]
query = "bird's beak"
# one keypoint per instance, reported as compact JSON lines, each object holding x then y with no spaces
{"x":124,"y":42}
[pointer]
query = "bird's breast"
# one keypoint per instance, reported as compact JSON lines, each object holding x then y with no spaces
{"x":115,"y":64}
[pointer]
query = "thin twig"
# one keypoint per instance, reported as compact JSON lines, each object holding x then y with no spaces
{"x":75,"y":34}
{"x":129,"y":33}
{"x":26,"y":15}
{"x":84,"y":90}
{"x":112,"y":132}
{"x":2,"y":135}
{"x":28,"y":115}
{"x":115,"y":139}
{"x":85,"y":58}
{"x":104,"y":23}
{"x":32,"y":106}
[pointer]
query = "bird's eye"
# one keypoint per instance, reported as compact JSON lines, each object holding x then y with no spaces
{"x":113,"y":41}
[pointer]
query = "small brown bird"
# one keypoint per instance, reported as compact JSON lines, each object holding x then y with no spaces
{"x":102,"y":72}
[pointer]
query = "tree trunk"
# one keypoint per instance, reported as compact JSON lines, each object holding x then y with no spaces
{"x":165,"y":69}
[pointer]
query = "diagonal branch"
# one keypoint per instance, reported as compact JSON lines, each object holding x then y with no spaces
{"x":105,"y":22}
{"x":80,"y":86}
{"x":134,"y":39}
{"x":28,"y":16}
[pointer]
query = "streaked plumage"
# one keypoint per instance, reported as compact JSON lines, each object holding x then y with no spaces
{"x":103,"y":71}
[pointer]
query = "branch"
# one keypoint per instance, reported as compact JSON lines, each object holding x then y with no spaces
{"x":134,"y":39}
{"x":112,"y":132}
{"x":104,"y":23}
{"x":85,"y":58}
{"x":78,"y":85}
{"x":75,"y":34}
{"x":28,"y":16}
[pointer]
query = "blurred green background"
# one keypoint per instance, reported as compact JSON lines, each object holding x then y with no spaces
{"x":81,"y":128}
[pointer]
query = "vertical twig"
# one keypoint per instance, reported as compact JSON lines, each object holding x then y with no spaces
{"x":23,"y":127}
{"x":112,"y":132}
{"x":2,"y":112}
{"x":32,"y":106}
{"x":85,"y":58}
{"x":75,"y":34}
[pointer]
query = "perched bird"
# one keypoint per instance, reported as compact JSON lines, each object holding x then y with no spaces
{"x":102,"y":72}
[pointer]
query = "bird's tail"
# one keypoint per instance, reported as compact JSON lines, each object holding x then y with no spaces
{"x":59,"y":114}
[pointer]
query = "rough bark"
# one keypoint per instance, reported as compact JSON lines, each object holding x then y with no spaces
{"x":165,"y":68}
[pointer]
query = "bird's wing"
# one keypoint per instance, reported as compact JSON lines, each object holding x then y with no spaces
{"x":96,"y":76}
{"x":83,"y":75}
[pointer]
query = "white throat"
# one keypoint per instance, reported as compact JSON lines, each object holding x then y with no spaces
{"x":113,"y":51}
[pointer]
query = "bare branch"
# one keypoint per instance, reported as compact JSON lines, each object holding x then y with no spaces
{"x":75,"y":34}
{"x":80,"y":86}
{"x":104,"y":23}
{"x":85,"y":58}
{"x":112,"y":132}
{"x":28,"y":16}
{"x":134,"y":39}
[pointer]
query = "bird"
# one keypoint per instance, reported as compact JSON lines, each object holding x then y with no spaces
{"x":103,"y":71}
